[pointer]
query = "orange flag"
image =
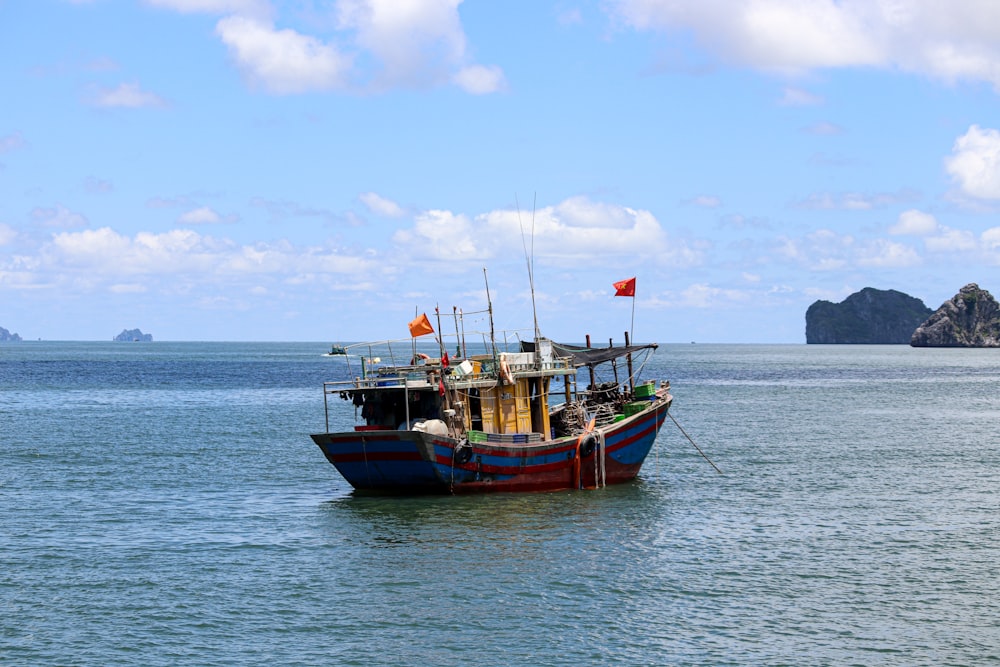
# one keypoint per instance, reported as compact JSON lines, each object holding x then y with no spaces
{"x":421,"y":326}
{"x":625,"y":287}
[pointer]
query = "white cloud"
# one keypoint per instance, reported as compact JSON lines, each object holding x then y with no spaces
{"x":379,"y":45}
{"x":126,"y":95}
{"x":381,"y":206}
{"x":260,"y":8}
{"x":952,"y":41}
{"x":568,"y":232}
{"x":282,"y":61}
{"x":990,"y":239}
{"x":99,"y":259}
{"x":975,"y":163}
{"x":914,"y":223}
{"x":797,"y":97}
{"x":951,"y":240}
{"x":826,"y":250}
{"x":418,"y":43}
{"x":571,"y":16}
{"x":882,"y":253}
{"x":7,"y":234}
{"x":706,"y":201}
{"x":703,"y":295}
{"x":128,"y":288}
{"x":853,"y":201}
{"x":96,"y":185}
{"x":480,"y":79}
{"x":766,"y":34}
{"x":444,"y":236}
{"x":200,"y":216}
{"x":829,"y":264}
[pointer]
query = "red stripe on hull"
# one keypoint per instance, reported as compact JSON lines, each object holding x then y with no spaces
{"x":416,"y":462}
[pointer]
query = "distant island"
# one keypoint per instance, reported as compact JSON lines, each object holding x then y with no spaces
{"x":969,"y":319}
{"x":868,"y":317}
{"x":6,"y":336}
{"x":133,"y":335}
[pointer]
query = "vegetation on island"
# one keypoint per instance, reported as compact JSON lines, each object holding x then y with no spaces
{"x":969,"y":319}
{"x":868,"y":317}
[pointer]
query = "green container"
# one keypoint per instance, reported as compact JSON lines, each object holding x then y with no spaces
{"x":645,"y":390}
{"x":635,"y":408}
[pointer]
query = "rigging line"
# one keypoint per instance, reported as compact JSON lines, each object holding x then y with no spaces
{"x":693,"y":443}
{"x":534,"y":201}
{"x":529,"y":258}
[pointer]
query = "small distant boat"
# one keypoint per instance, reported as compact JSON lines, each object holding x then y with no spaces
{"x":336,"y":351}
{"x":493,"y":422}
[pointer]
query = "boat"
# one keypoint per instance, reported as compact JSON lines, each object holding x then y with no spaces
{"x":336,"y":351}
{"x":510,"y":418}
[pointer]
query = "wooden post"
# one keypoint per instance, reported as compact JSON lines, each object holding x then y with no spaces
{"x":591,"y":367}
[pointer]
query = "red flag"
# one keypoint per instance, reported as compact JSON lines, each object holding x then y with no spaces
{"x":444,"y":360}
{"x":421,"y":326}
{"x":625,"y":287}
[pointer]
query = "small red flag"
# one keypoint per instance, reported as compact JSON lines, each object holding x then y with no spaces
{"x":421,"y":326}
{"x":625,"y":287}
{"x":444,"y":360}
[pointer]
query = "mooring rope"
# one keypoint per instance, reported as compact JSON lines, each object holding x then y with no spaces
{"x":693,"y":443}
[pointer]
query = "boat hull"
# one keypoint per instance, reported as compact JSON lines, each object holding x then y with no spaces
{"x":407,"y":461}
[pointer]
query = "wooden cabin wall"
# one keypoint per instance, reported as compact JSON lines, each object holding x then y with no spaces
{"x":490,"y":407}
{"x":540,"y":409}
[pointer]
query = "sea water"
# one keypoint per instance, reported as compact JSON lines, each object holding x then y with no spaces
{"x":163,"y":504}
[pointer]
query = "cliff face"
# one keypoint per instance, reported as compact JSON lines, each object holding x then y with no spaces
{"x":129,"y":335}
{"x":868,"y":317}
{"x":8,"y":336}
{"x":970,"y":319}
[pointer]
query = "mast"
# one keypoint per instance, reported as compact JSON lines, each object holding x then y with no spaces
{"x":440,"y":332}
{"x":489,"y":307}
{"x":529,"y":259}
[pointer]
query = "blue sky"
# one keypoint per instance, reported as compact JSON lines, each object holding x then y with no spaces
{"x":322,"y":170}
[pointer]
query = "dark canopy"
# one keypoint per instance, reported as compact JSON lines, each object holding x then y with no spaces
{"x":590,"y":356}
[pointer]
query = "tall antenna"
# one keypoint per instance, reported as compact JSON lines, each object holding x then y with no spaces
{"x":529,"y":258}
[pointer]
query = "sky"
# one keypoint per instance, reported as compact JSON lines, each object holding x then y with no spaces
{"x":324,"y":170}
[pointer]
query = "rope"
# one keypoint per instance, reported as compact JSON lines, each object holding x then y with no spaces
{"x":364,"y":454}
{"x":693,"y":443}
{"x":604,"y":469}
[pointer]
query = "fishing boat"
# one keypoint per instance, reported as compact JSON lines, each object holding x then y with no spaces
{"x":509,"y":418}
{"x":336,"y":351}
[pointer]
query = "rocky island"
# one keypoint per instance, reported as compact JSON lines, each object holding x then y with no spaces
{"x":6,"y":336}
{"x":969,"y":319}
{"x":130,"y":335}
{"x":868,"y":317}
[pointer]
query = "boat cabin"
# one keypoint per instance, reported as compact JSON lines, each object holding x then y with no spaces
{"x":503,"y":397}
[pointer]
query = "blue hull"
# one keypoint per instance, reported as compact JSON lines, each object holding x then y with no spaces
{"x":417,"y":462}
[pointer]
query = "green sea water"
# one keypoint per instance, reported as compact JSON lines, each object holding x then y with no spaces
{"x":162,"y":504}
